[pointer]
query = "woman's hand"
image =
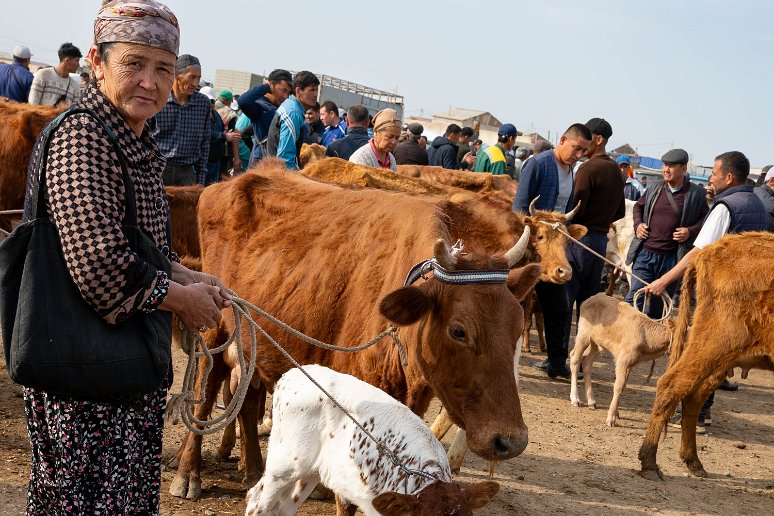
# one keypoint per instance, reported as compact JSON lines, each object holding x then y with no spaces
{"x":224,"y":297}
{"x":197,"y":305}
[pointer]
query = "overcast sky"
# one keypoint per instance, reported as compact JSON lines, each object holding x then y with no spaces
{"x":696,"y":74}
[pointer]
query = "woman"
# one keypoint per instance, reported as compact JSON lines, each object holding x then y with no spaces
{"x":378,"y":152}
{"x":104,"y":457}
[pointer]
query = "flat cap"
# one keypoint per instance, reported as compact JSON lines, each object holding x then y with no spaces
{"x":416,"y":129}
{"x":186,"y":60}
{"x":601,"y":127}
{"x":675,"y":156}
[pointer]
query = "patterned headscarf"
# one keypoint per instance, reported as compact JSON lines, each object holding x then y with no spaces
{"x":386,"y":118}
{"x":146,"y":22}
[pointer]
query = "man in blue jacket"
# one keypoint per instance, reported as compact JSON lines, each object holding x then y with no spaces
{"x":288,"y":129}
{"x":16,"y":78}
{"x":549,"y":175}
{"x":261,"y":103}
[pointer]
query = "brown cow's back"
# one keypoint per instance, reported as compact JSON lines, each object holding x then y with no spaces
{"x":480,"y":182}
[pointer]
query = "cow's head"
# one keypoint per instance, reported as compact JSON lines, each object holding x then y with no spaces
{"x":550,"y":244}
{"x":465,"y":343}
{"x":437,"y":498}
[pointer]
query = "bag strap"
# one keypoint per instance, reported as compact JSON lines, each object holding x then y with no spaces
{"x":672,"y":202}
{"x":41,"y":162}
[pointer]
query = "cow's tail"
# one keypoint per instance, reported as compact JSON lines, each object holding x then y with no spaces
{"x":683,"y":317}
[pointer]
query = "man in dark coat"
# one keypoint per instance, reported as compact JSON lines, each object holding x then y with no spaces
{"x":410,"y":152}
{"x":357,"y":134}
{"x":443,"y":150}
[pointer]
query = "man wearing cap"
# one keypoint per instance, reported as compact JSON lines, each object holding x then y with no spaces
{"x":766,"y":194}
{"x":598,"y":195}
{"x":335,"y":127}
{"x":492,"y":159}
{"x":220,"y":138}
{"x":261,"y":103}
{"x":548,"y":177}
{"x":378,"y":152}
{"x":227,"y":110}
{"x":410,"y":152}
{"x":632,"y":189}
{"x":16,"y":78}
{"x":288,"y":129}
{"x":50,"y":86}
{"x":736,"y":209}
{"x":357,"y":134}
{"x":443,"y":150}
{"x":667,"y":220}
{"x":182,"y":128}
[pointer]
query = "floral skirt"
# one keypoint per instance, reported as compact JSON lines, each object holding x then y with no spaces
{"x":95,"y":458}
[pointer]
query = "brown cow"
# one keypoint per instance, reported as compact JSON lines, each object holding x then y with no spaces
{"x":733,"y":326}
{"x":330,"y":262}
{"x":20,"y":125}
{"x":480,"y":182}
{"x":183,"y":209}
{"x":310,"y":152}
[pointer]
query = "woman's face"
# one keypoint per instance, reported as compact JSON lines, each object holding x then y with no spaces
{"x":136,"y":79}
{"x":386,"y":139}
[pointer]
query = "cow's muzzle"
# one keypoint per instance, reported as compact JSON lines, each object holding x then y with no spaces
{"x":505,"y":447}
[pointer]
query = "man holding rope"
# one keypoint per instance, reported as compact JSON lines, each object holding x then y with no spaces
{"x":667,"y":220}
{"x":736,"y":209}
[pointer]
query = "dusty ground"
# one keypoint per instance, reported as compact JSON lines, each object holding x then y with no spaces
{"x":574,"y":464}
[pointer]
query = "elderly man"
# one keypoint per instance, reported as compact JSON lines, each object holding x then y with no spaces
{"x":409,"y":152}
{"x":288,"y":130}
{"x":492,"y":159}
{"x":335,"y":127}
{"x":182,"y":128}
{"x":667,"y":220}
{"x":16,"y":78}
{"x":50,"y":86}
{"x":357,"y":134}
{"x":260,"y":105}
{"x":378,"y":152}
{"x":766,"y":194}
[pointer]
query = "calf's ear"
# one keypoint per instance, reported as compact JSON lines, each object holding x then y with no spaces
{"x":480,"y":494}
{"x":396,"y":504}
{"x":406,"y":305}
{"x":577,"y":231}
{"x":522,"y":280}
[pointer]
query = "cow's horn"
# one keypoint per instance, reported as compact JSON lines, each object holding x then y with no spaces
{"x":569,"y":216}
{"x":444,"y":256}
{"x":516,"y":252}
{"x":532,"y":206}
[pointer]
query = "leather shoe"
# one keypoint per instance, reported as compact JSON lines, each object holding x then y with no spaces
{"x":728,"y":386}
{"x":543,"y":366}
{"x":562,"y":372}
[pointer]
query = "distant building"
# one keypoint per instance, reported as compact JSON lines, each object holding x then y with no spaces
{"x":235,"y":81}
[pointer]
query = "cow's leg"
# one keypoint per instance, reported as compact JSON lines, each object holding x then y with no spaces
{"x":528,"y":304}
{"x":458,"y":450}
{"x":691,"y":407}
{"x":228,"y":440}
{"x":588,"y":361}
{"x":345,"y":508}
{"x":576,"y":356}
{"x":252,"y":410}
{"x":540,"y":326}
{"x":622,"y":370}
{"x":272,"y":494}
{"x":441,"y":425}
{"x":187,"y":482}
{"x":612,"y":279}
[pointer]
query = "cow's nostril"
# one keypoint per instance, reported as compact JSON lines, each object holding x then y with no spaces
{"x":507,"y":447}
{"x":500,"y":447}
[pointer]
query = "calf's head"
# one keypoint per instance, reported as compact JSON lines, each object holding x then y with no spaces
{"x":552,"y":245}
{"x":465,"y":340}
{"x":436,"y":499}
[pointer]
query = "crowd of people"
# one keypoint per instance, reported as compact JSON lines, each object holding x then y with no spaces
{"x":94,"y":456}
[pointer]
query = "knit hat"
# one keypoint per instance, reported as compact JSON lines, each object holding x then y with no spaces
{"x":226,"y":95}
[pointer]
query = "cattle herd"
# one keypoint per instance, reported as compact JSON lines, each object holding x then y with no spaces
{"x":328,"y":252}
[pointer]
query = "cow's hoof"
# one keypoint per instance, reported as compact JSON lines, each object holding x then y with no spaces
{"x":577,"y":403}
{"x":611,"y":422}
{"x":455,"y":471}
{"x":223,"y":453}
{"x":593,"y":405}
{"x":181,"y":487}
{"x":265,"y":427}
{"x":250,"y":480}
{"x":698,"y":471}
{"x":650,"y":474}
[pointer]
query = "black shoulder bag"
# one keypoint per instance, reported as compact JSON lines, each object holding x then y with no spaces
{"x":53,"y":339}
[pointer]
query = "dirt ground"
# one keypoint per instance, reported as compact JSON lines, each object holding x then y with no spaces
{"x":574,"y":464}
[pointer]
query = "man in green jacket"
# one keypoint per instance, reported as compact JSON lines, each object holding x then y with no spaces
{"x":492,"y":159}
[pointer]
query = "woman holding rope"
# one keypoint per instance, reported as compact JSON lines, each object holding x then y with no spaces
{"x":98,"y":456}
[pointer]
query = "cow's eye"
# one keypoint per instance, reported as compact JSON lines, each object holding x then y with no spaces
{"x":457,"y":333}
{"x":540,"y":237}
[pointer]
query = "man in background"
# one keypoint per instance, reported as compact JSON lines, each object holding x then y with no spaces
{"x":16,"y":78}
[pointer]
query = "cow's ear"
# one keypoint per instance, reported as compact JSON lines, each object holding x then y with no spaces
{"x":406,"y":305}
{"x":577,"y":231}
{"x":393,"y":503}
{"x":480,"y":494}
{"x":522,"y":280}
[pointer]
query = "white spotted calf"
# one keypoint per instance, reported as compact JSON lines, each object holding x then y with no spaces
{"x":312,"y":442}
{"x":629,"y":335}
